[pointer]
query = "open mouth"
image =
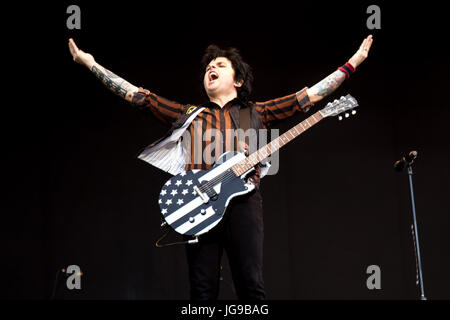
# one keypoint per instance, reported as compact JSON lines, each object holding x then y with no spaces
{"x":213,"y":76}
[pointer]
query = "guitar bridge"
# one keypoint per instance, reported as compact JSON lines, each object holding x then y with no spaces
{"x":202,"y":195}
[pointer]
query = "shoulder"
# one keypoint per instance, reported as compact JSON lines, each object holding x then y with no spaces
{"x":189,"y":108}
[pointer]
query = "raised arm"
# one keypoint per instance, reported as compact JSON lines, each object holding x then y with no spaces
{"x":334,"y":80}
{"x":113,"y":82}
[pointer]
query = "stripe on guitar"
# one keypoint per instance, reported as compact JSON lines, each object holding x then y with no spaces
{"x":174,"y":216}
{"x":205,"y":226}
{"x":212,"y":173}
{"x":182,"y":220}
{"x":198,"y":219}
{"x":217,"y":187}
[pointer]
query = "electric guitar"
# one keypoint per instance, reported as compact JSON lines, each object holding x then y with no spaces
{"x":194,"y":202}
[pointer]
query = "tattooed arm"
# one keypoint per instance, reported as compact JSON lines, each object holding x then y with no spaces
{"x":326,"y":86}
{"x":114,"y":83}
{"x":334,"y":80}
{"x":111,"y":81}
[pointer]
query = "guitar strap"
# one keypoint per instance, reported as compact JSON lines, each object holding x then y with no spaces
{"x":244,"y":121}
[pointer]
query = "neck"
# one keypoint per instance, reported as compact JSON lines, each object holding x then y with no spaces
{"x":223,"y":99}
{"x":256,"y":157}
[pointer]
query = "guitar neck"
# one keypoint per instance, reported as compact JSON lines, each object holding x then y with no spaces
{"x":256,"y":157}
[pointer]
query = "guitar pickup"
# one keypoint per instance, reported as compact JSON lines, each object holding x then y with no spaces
{"x":202,"y":195}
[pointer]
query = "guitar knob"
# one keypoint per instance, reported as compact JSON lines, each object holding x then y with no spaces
{"x":340,"y":118}
{"x":346,"y":114}
{"x":191,"y":219}
{"x":203,"y":211}
{"x":353,"y":111}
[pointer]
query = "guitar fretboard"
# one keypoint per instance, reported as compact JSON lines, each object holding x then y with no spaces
{"x":256,"y":157}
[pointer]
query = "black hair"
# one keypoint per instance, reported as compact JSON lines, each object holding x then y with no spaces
{"x":242,"y":70}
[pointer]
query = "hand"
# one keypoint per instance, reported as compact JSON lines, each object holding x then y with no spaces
{"x":79,"y":56}
{"x":362,"y":52}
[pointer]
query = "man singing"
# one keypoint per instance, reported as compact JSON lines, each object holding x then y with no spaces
{"x":227,"y":81}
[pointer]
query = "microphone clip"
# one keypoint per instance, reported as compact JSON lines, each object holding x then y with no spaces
{"x":405,"y":161}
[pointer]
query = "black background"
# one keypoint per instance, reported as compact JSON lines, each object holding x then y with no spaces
{"x":74,"y":192}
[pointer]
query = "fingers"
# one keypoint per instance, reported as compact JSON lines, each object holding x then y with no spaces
{"x":368,"y":43}
{"x":73,"y":43}
{"x":72,"y":46}
{"x":363,"y":44}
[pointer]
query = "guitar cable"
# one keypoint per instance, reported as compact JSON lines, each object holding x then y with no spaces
{"x":158,"y":245}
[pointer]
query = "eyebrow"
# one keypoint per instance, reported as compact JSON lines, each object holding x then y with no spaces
{"x":218,"y":62}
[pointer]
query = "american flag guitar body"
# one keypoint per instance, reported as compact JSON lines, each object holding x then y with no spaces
{"x":194,"y":202}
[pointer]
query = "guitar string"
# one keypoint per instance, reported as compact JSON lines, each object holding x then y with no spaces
{"x":226,"y":176}
{"x":229,"y":174}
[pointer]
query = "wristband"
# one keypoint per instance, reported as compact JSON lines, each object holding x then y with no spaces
{"x":347,"y":68}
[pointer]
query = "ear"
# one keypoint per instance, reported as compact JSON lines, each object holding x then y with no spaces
{"x":238,"y":84}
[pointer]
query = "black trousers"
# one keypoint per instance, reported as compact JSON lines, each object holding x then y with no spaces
{"x":241,"y":235}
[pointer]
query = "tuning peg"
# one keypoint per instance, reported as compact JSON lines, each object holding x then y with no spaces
{"x":347,"y":114}
{"x":340,"y":118}
{"x":353,"y":111}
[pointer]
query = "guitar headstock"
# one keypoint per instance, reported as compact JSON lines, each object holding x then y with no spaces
{"x":337,"y":107}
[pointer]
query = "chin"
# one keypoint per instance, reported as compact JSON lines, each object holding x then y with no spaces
{"x":212,"y":91}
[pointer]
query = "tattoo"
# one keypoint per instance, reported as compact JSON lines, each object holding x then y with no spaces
{"x":113,"y":82}
{"x":329,"y":84}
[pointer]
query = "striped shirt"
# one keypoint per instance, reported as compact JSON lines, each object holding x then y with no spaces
{"x":212,"y":130}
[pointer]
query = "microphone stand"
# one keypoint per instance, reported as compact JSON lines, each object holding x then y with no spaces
{"x":416,"y":235}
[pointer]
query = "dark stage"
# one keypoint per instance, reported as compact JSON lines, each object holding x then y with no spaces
{"x":75,"y":193}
